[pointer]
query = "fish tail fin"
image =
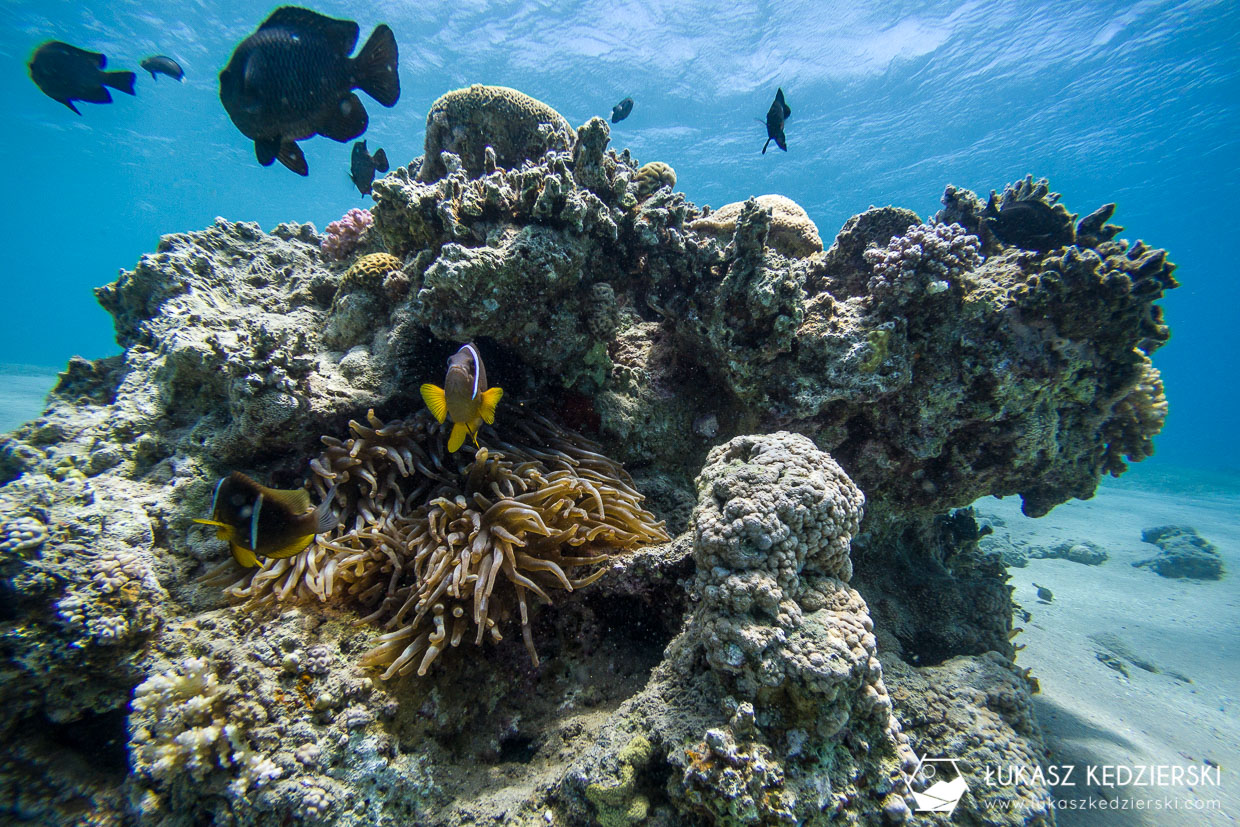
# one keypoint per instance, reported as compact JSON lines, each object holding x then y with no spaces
{"x":375,"y":67}
{"x":379,"y":159}
{"x":243,"y":556}
{"x":121,"y":81}
{"x":326,"y":517}
{"x":434,"y":398}
{"x":490,"y":398}
{"x":457,"y":439}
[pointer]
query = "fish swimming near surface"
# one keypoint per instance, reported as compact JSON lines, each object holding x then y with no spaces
{"x":464,"y":397}
{"x":258,"y":521}
{"x":1031,"y":224}
{"x":162,"y":65}
{"x":775,"y":117}
{"x":363,"y":165}
{"x":66,"y":73}
{"x":621,"y":110}
{"x":293,"y":78}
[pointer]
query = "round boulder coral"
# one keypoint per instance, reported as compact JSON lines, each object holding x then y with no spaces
{"x":514,"y":125}
{"x":792,"y":232}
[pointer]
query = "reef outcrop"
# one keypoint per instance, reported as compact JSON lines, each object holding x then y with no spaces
{"x":786,"y":656}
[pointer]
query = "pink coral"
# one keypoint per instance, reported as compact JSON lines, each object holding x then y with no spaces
{"x":344,"y":235}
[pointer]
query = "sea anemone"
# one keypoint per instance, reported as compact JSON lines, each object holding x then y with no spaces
{"x":439,"y":546}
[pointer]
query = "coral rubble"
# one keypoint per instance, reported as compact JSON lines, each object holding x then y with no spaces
{"x":786,"y":658}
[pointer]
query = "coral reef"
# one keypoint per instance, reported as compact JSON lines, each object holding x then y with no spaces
{"x":781,"y":659}
{"x":1182,"y":553}
{"x":345,"y":234}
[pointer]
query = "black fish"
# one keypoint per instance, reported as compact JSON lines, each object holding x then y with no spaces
{"x":362,"y":166}
{"x":621,"y":110}
{"x":775,"y":117}
{"x":66,"y":73}
{"x":162,"y":65}
{"x":1031,"y":225}
{"x":293,"y":78}
{"x":258,"y":521}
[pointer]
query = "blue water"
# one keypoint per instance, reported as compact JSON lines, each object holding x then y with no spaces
{"x":1128,"y":102}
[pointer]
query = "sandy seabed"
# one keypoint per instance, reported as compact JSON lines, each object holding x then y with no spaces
{"x":1092,"y":716}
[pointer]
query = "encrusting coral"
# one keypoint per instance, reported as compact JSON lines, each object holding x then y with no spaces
{"x":424,"y":536}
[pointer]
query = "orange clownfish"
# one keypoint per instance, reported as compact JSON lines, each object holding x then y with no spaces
{"x":464,"y":397}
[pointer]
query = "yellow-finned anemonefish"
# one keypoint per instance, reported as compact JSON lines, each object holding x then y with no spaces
{"x":464,"y":397}
{"x":258,"y":521}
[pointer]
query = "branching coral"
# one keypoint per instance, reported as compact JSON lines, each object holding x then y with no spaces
{"x":181,"y":724}
{"x":345,"y":235}
{"x":425,"y":536}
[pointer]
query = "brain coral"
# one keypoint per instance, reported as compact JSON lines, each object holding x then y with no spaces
{"x":425,"y":535}
{"x":516,"y":127}
{"x":792,"y":232}
{"x":654,"y":175}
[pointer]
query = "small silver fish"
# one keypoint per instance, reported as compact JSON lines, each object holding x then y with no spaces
{"x":163,"y":65}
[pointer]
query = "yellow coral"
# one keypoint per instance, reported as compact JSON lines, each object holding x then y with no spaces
{"x":792,"y":231}
{"x":370,"y":270}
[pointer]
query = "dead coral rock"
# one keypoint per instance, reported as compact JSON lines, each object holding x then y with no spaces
{"x":778,"y":666}
{"x":1182,"y":553}
{"x":514,"y":125}
{"x":978,"y":710}
{"x":844,"y":271}
{"x":792,"y":233}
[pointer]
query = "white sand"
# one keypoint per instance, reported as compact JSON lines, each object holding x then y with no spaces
{"x":22,"y":390}
{"x":1091,"y":714}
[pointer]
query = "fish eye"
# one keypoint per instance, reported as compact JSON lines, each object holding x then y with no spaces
{"x":247,"y":511}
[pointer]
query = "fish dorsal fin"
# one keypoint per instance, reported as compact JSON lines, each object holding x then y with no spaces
{"x":490,"y":398}
{"x":342,"y":33}
{"x":99,"y":58}
{"x":434,"y":398}
{"x":294,"y":500}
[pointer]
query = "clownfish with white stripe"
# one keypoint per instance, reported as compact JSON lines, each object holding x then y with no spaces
{"x":258,"y":521}
{"x":464,"y":397}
